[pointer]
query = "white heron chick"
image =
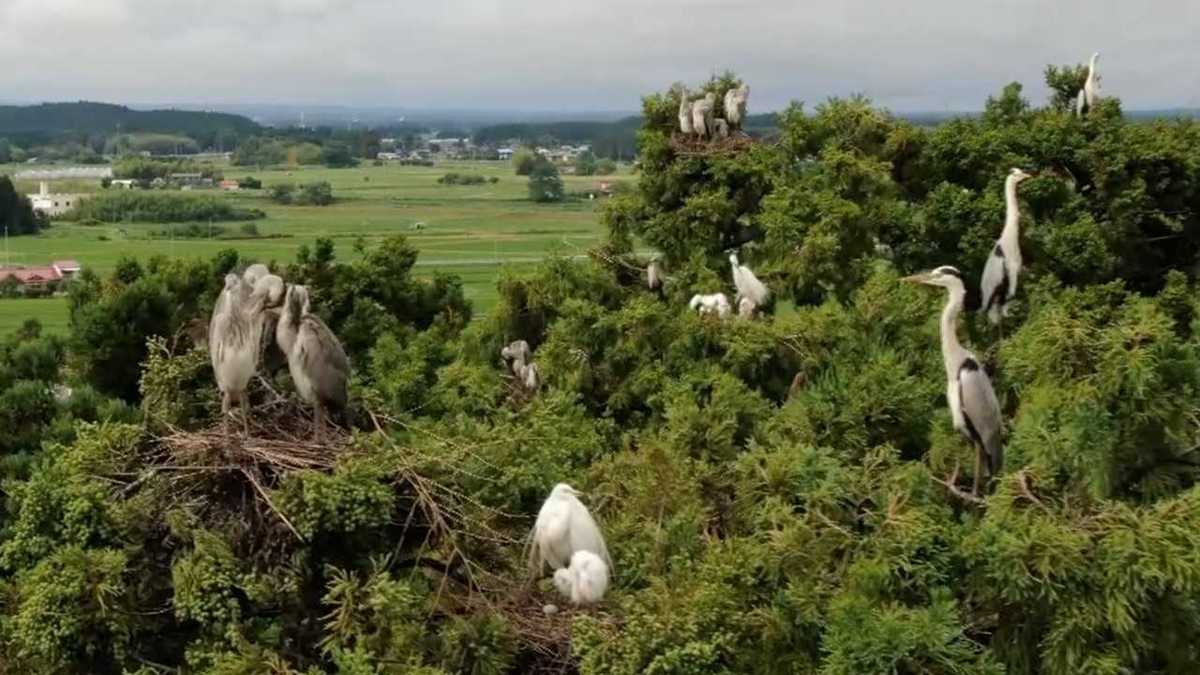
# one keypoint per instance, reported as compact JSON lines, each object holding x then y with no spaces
{"x":564,"y":526}
{"x":702,"y":115}
{"x":1086,"y":100}
{"x":714,"y":303}
{"x":585,"y":580}
{"x":685,"y":113}
{"x":735,"y":105}
{"x":998,"y":285}
{"x":234,"y":338}
{"x":654,"y":276}
{"x":316,"y":360}
{"x":747,"y":284}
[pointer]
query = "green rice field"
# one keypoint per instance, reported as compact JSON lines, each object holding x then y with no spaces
{"x":471,"y":231}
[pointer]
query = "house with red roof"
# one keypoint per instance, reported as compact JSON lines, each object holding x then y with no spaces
{"x":40,"y":276}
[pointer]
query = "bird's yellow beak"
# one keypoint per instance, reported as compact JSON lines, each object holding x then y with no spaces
{"x":921,"y":278}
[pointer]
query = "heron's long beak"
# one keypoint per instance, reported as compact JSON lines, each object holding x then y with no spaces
{"x":922,"y":278}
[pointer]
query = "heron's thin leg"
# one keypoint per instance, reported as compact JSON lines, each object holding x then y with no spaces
{"x":225,"y":405}
{"x":978,"y":470}
{"x":245,"y":406}
{"x":318,"y":421}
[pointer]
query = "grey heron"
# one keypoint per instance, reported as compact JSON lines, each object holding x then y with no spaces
{"x":973,"y":404}
{"x":735,"y":105}
{"x":564,"y":526}
{"x":685,"y":113}
{"x":585,"y":580}
{"x":702,"y":115}
{"x":1090,"y":93}
{"x":713,"y":303}
{"x":654,"y":276}
{"x":1000,"y":274}
{"x":316,"y":360}
{"x":234,"y":340}
{"x":525,"y":371}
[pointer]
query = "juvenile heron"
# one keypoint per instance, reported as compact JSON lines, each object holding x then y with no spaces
{"x":234,"y":338}
{"x":564,"y":527}
{"x":999,"y":283}
{"x":702,"y":115}
{"x":316,"y":360}
{"x":1086,"y":100}
{"x":735,"y":105}
{"x":969,"y":392}
{"x":585,"y":580}
{"x":685,"y":113}
{"x":715,"y":303}
{"x":654,"y":276}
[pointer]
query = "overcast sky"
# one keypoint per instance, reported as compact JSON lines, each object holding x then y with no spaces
{"x":572,"y":55}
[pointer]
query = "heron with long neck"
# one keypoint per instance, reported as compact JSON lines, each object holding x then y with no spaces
{"x":973,"y":404}
{"x":316,"y":360}
{"x":685,"y":113}
{"x":235,"y":336}
{"x":999,"y":283}
{"x":1090,"y":93}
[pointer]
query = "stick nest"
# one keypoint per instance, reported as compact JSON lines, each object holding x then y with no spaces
{"x":693,"y":146}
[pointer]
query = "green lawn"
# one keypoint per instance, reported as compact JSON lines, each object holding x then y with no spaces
{"x":470,"y":231}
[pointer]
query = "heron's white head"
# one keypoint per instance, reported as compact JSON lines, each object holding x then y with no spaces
{"x":232,"y":281}
{"x":564,"y":490}
{"x":944,"y":276}
{"x":564,"y":581}
{"x":733,"y":259}
{"x":1095,"y":57}
{"x":255,"y":272}
{"x":297,"y":300}
{"x":271,"y":289}
{"x":1017,"y":175}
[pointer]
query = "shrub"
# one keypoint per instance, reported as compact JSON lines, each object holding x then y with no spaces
{"x":461,"y":179}
{"x":545,"y":185}
{"x":159,"y":207}
{"x":319,"y":193}
{"x":250,"y":183}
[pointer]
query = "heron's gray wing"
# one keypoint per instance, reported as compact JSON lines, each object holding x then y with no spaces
{"x":992,"y":286}
{"x":981,"y":410}
{"x":326,"y":361}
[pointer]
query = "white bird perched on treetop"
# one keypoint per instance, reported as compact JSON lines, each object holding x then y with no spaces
{"x":702,"y":115}
{"x":714,"y":303}
{"x":735,"y":105}
{"x":1086,"y":100}
{"x":685,"y":113}
{"x":316,"y":360}
{"x":973,"y":404}
{"x":234,"y":341}
{"x":747,"y":284}
{"x":998,"y":285}
{"x":564,"y":527}
{"x":585,"y":580}
{"x":517,"y":350}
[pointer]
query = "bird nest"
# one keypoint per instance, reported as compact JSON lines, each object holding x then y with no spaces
{"x":694,"y":146}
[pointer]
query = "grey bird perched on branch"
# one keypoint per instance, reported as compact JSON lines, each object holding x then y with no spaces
{"x":969,"y":392}
{"x":1003,"y":267}
{"x":316,"y":360}
{"x":523,"y":369}
{"x":685,"y":113}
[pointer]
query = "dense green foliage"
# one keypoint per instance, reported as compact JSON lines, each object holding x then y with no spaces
{"x":545,"y":185}
{"x":772,"y":490}
{"x":16,"y":211}
{"x":51,"y":119}
{"x":147,"y":169}
{"x":319,"y":193}
{"x":139,"y":206}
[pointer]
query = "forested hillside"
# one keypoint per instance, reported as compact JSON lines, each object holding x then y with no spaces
{"x":40,"y":123}
{"x":779,"y":494}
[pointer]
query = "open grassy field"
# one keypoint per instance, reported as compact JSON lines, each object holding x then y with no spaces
{"x":470,"y":231}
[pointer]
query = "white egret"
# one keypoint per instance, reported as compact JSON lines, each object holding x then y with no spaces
{"x":1086,"y":100}
{"x":714,"y":303}
{"x":747,"y":284}
{"x":563,"y":527}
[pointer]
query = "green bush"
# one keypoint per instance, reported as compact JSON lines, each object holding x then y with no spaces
{"x":135,"y":206}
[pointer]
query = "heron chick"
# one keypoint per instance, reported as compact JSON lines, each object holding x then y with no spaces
{"x":316,"y":360}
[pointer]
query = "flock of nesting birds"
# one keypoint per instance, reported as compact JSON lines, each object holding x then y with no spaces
{"x":257,"y":310}
{"x":566,"y":536}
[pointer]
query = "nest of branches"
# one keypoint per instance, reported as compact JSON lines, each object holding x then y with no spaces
{"x":690,"y":145}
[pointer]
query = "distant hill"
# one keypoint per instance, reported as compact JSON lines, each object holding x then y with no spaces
{"x":49,"y":120}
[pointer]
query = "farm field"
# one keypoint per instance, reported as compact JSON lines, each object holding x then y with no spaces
{"x":471,"y":231}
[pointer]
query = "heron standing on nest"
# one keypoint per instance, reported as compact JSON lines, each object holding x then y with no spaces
{"x":234,"y":340}
{"x":316,"y":360}
{"x":564,"y":527}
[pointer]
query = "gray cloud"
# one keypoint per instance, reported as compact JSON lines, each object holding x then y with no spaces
{"x":571,"y":55}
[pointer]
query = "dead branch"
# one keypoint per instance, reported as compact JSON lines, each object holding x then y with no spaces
{"x":957,"y":491}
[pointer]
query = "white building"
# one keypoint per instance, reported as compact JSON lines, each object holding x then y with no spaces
{"x":505,"y":153}
{"x":53,"y":203}
{"x":124,"y":183}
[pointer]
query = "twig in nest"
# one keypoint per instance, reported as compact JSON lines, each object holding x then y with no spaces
{"x":1023,"y":483}
{"x":267,"y":498}
{"x":956,"y":491}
